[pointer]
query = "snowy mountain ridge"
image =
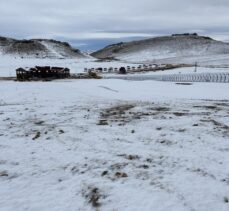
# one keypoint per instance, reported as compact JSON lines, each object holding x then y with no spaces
{"x":38,"y":48}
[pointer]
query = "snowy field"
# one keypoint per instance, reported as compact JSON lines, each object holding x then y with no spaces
{"x":114,"y":145}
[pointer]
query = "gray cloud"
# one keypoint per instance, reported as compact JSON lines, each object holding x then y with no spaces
{"x":112,"y":19}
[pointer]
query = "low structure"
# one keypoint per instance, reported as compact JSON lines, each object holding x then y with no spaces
{"x":122,"y":70}
{"x":136,"y":69}
{"x":89,"y":75}
{"x":42,"y":73}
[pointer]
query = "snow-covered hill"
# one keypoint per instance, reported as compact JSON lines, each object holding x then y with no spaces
{"x":184,"y":48}
{"x":38,"y":48}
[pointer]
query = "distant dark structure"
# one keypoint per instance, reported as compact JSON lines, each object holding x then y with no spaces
{"x":122,"y":70}
{"x":185,"y":34}
{"x":42,"y":73}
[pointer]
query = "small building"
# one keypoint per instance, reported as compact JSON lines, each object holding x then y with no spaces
{"x":111,"y":69}
{"x":42,"y":73}
{"x":99,"y":69}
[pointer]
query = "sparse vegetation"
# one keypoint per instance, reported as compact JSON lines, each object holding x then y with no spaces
{"x":38,"y":134}
{"x":4,"y":174}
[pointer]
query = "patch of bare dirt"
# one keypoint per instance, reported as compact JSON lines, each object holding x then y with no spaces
{"x":93,"y":195}
{"x":218,"y":125}
{"x":123,"y":114}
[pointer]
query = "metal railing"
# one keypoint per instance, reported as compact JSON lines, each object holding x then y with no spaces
{"x":192,"y":77}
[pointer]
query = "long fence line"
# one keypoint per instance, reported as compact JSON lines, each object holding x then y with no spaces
{"x":192,"y":77}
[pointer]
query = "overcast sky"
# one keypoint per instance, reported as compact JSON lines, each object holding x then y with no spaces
{"x":91,"y":24}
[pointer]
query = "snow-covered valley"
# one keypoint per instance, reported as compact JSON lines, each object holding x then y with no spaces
{"x":114,"y":105}
{"x":113,"y":144}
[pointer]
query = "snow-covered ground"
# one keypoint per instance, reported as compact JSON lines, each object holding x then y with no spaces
{"x":114,"y":145}
{"x":167,"y":58}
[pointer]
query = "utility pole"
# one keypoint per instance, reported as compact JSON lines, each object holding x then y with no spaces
{"x":195,"y":67}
